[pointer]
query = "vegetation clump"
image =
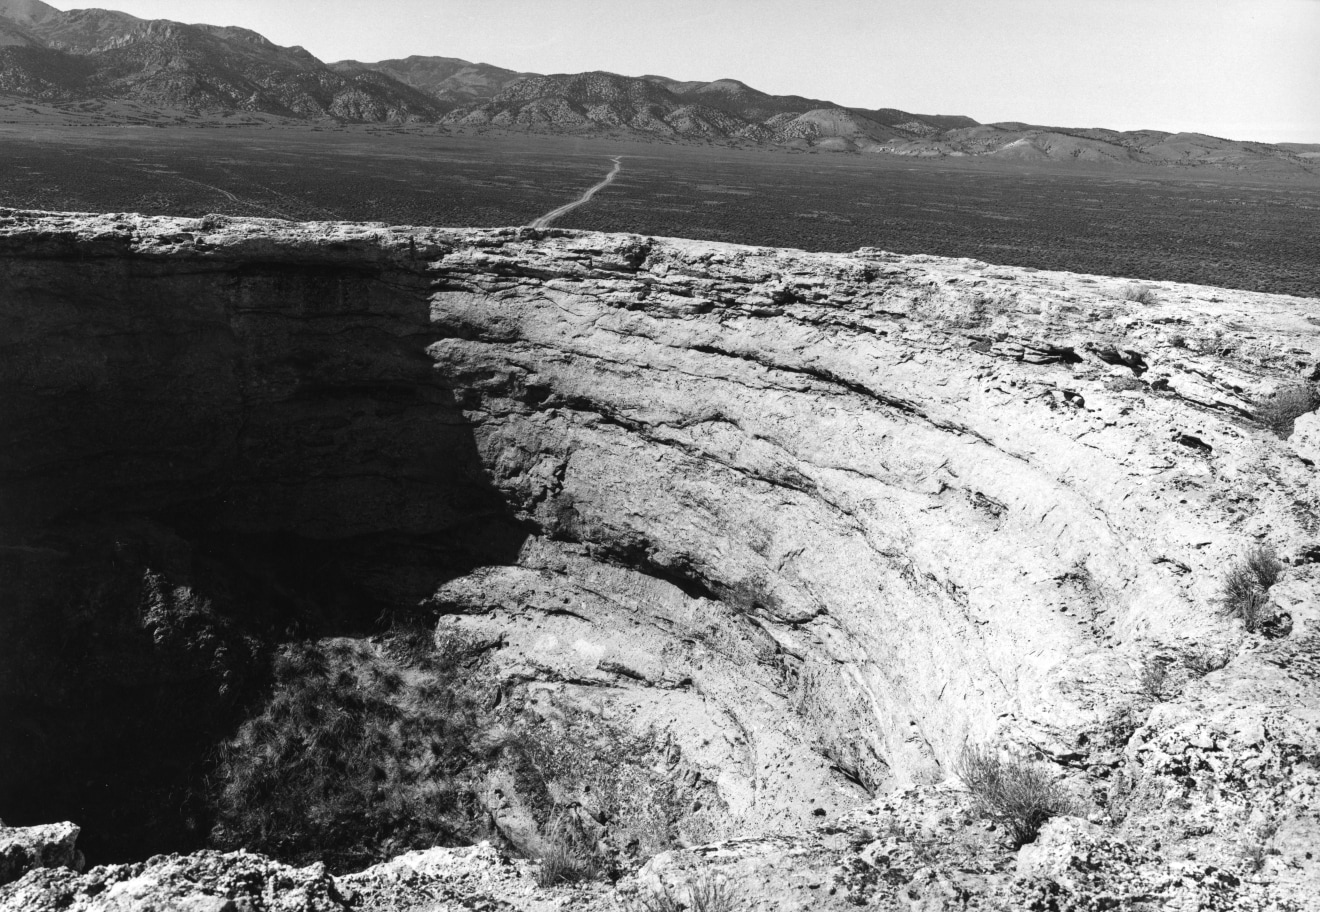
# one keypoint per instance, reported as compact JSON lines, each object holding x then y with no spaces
{"x":1015,"y":793}
{"x":1162,"y":678}
{"x":580,"y":767}
{"x":1140,"y":294}
{"x":571,"y":856}
{"x":707,"y":893}
{"x":1154,"y":681}
{"x":1286,"y":405}
{"x":355,"y":756}
{"x":1243,"y":594}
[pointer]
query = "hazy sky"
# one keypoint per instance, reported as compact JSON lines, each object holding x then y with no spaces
{"x":1245,"y":69}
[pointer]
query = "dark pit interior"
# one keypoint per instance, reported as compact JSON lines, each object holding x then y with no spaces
{"x":201,"y":465}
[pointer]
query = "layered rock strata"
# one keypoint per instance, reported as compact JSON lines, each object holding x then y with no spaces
{"x":821,"y":519}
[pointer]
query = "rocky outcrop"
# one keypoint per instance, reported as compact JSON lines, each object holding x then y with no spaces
{"x":435,"y":880}
{"x":24,"y":849}
{"x":819,"y":519}
{"x":203,"y":881}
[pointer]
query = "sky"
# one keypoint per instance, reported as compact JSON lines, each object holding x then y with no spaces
{"x":1243,"y":69}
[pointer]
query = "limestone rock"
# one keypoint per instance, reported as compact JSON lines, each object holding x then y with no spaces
{"x":24,"y":849}
{"x":1305,"y":438}
{"x":820,"y":519}
{"x":1076,"y":857}
{"x":201,"y":882}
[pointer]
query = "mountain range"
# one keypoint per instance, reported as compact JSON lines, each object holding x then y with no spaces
{"x":51,"y":56}
{"x":48,"y":55}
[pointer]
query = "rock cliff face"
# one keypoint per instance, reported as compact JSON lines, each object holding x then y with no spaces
{"x":822,"y":519}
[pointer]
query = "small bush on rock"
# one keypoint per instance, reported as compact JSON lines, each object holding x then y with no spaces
{"x":707,"y":893}
{"x":711,"y":894}
{"x":655,"y":901}
{"x":1154,"y":680}
{"x":1015,"y":793}
{"x":1285,"y":406}
{"x":1140,"y":294}
{"x":1243,"y":595}
{"x":570,"y":858}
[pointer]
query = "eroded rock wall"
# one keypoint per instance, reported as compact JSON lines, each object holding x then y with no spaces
{"x":824,"y":518}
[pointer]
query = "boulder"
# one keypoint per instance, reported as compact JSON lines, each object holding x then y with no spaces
{"x":49,"y":846}
{"x":1305,"y":438}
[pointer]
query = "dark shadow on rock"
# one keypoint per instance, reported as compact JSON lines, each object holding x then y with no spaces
{"x":203,"y":460}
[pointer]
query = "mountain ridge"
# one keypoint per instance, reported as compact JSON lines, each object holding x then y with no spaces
{"x":48,"y":55}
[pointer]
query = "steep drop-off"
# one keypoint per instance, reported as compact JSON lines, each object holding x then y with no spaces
{"x":821,"y":519}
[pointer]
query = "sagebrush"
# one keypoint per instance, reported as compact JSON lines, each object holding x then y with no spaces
{"x":1140,"y":294}
{"x":1154,"y":680}
{"x":1015,"y":793}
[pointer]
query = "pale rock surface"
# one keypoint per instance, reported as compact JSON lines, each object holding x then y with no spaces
{"x":202,"y":882}
{"x":23,"y":849}
{"x":1305,"y":438}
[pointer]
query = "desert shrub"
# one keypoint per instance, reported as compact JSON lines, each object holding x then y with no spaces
{"x":1285,"y":405}
{"x":1154,"y":680}
{"x":711,"y":894}
{"x":354,"y":757}
{"x":1256,"y":847}
{"x":1243,"y":594}
{"x":582,"y":761}
{"x":1140,"y":294}
{"x":570,"y":858}
{"x":563,"y":864}
{"x":1015,"y":793}
{"x":661,"y":900}
{"x":706,"y":893}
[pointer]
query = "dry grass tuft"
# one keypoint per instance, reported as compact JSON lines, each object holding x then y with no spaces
{"x":1243,"y":594}
{"x":707,"y":893}
{"x":570,"y":859}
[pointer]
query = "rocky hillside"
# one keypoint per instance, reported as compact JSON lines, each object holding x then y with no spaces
{"x":49,"y":55}
{"x":105,"y":57}
{"x":448,"y":80}
{"x":729,"y":110}
{"x":726,"y":109}
{"x":786,"y":530}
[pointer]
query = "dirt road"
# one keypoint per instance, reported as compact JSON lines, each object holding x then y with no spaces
{"x":545,"y":220}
